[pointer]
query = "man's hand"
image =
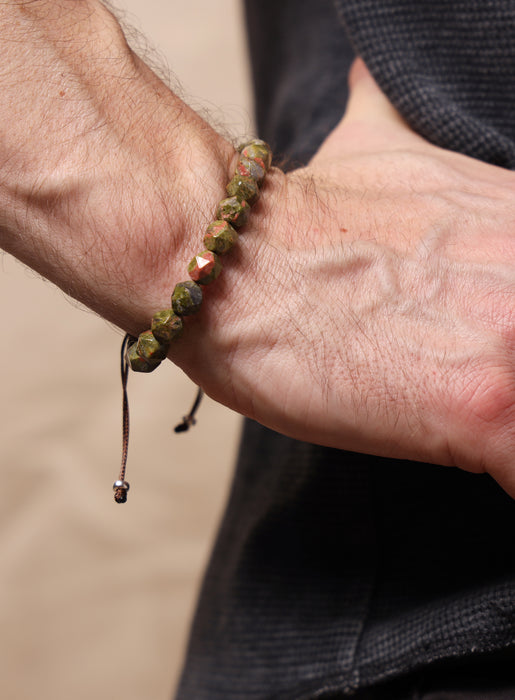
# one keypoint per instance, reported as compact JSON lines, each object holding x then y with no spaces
{"x":372,"y":308}
{"x":370,"y":304}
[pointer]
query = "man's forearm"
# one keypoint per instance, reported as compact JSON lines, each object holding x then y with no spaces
{"x":104,"y":172}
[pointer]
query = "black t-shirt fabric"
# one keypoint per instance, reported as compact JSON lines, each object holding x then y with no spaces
{"x":333,"y":570}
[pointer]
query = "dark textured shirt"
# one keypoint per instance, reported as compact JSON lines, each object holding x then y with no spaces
{"x":333,"y":570}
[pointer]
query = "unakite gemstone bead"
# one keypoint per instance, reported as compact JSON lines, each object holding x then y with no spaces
{"x":251,"y":168}
{"x":166,"y":326}
{"x":138,"y":363}
{"x":205,"y":267}
{"x":233,"y":211}
{"x":243,"y":188}
{"x":259,"y":151}
{"x":149,"y":347}
{"x":220,"y":237}
{"x":186,"y":298}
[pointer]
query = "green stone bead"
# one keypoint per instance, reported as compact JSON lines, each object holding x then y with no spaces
{"x":244,"y":189}
{"x":259,"y":151}
{"x":186,"y":298}
{"x":251,"y":168}
{"x":166,"y":326}
{"x":149,"y":347}
{"x":233,"y":211}
{"x":138,"y":363}
{"x":220,"y":237}
{"x":205,"y":267}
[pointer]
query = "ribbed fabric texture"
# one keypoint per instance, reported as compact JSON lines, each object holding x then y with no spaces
{"x":335,"y":571}
{"x":447,"y":65}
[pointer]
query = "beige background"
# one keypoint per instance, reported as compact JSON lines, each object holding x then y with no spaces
{"x":95,"y":598}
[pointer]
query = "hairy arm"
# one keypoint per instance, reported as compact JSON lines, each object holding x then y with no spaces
{"x":371,"y":303}
{"x":105,"y":173}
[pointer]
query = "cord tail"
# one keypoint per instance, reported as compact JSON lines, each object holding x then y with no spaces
{"x":121,"y":486}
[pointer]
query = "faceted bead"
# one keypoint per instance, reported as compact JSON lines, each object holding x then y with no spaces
{"x":138,"y":363}
{"x":149,"y":347}
{"x":205,"y":267}
{"x":233,"y":211}
{"x":251,"y":168}
{"x":186,"y":298}
{"x":220,"y":237}
{"x":244,"y":188}
{"x":259,"y":151}
{"x":166,"y":326}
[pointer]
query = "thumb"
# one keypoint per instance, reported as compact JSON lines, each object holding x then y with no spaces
{"x":370,"y":123}
{"x":367,"y":103}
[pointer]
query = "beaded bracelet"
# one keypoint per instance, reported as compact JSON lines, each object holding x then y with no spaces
{"x":146,"y":352}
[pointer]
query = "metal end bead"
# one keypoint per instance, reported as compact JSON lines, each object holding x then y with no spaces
{"x":119,"y":484}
